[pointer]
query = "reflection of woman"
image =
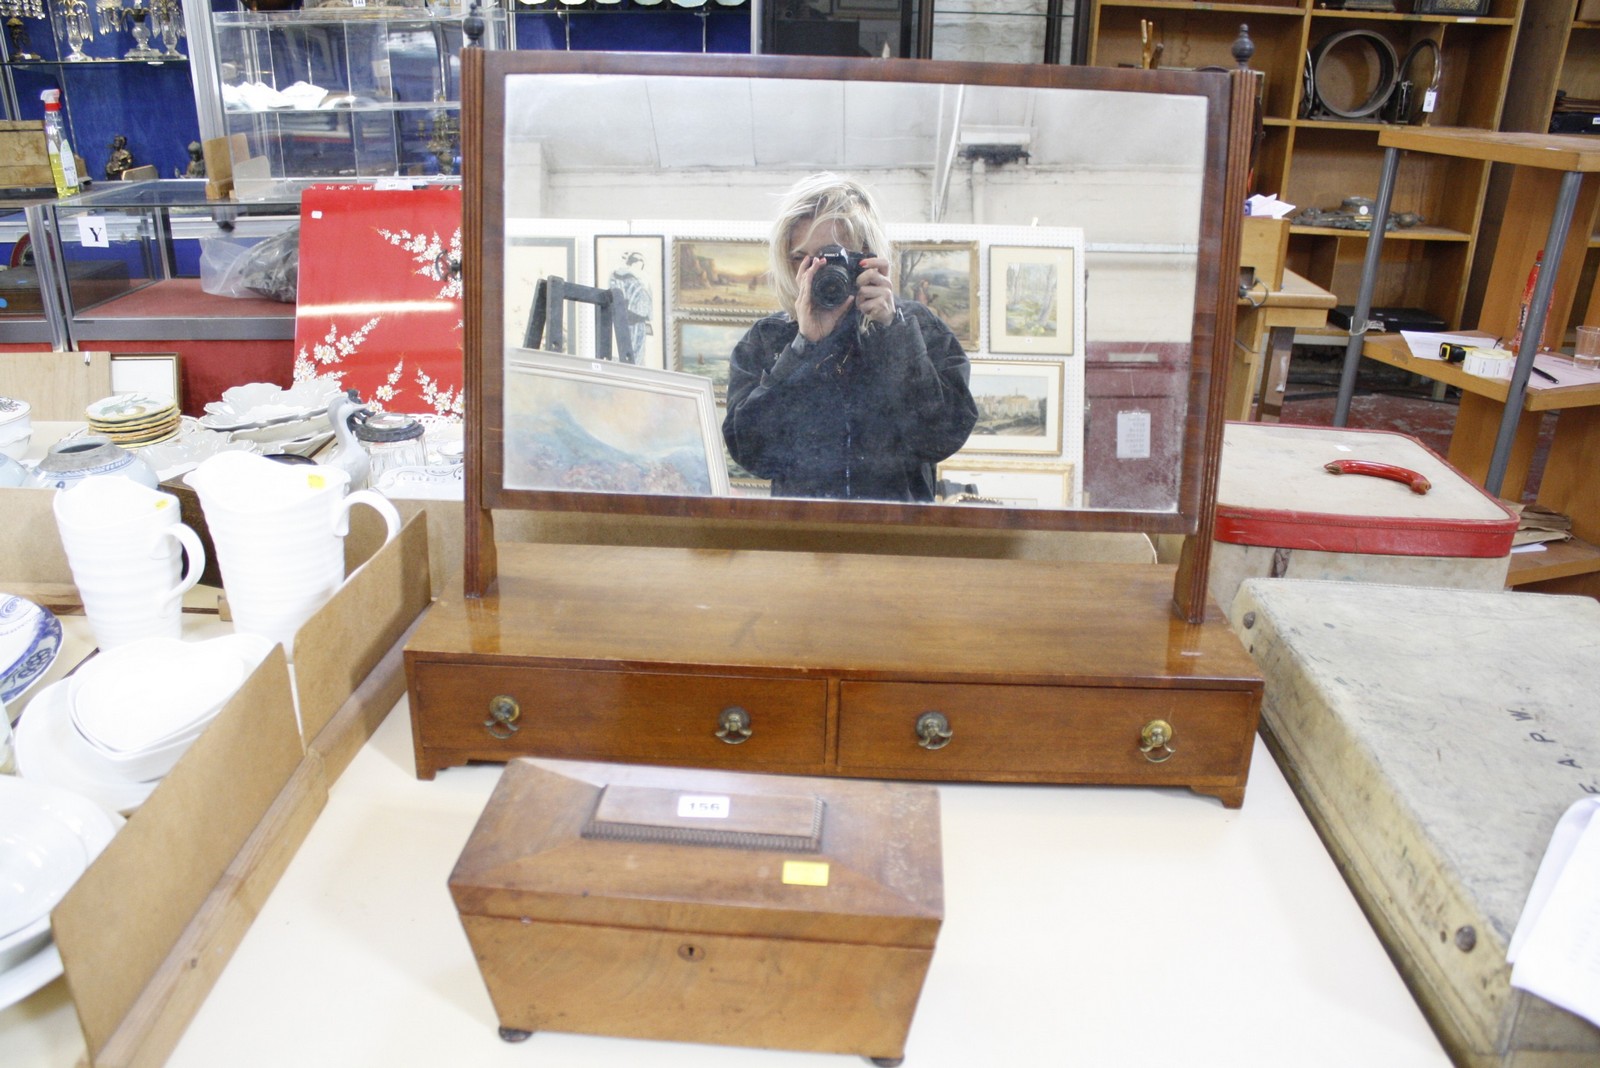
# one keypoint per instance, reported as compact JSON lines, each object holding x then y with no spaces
{"x":854,"y":401}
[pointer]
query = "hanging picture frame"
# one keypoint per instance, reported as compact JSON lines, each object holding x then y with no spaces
{"x":528,"y":260}
{"x":1019,"y":406}
{"x":1032,"y":300}
{"x":721,"y":276}
{"x":1015,"y":483}
{"x":704,"y":347}
{"x":635,"y":264}
{"x":942,"y":276}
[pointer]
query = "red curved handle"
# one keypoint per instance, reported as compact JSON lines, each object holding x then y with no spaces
{"x":1393,"y":472}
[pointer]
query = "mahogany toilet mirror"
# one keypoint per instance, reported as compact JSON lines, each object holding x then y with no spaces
{"x":1147,"y":167}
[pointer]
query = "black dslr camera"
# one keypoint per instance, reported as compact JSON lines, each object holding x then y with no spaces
{"x":835,"y":280}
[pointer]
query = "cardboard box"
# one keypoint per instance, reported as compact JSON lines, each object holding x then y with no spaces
{"x":24,"y":160}
{"x":1435,"y":737}
{"x":1263,"y":247}
{"x":148,"y":928}
{"x":749,"y":910}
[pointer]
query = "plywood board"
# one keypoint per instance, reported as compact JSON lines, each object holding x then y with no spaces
{"x":59,"y":385}
{"x":341,"y":645}
{"x":199,"y":857}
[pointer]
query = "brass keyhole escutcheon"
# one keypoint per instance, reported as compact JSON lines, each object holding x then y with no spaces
{"x":1155,"y":741}
{"x":733,"y":726}
{"x":503,"y":713}
{"x":933,"y":730}
{"x":690,"y":952}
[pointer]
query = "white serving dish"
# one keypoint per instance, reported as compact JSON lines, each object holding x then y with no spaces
{"x":30,"y":638}
{"x":50,"y":750}
{"x":154,"y":734}
{"x":135,"y":696}
{"x":259,"y":404}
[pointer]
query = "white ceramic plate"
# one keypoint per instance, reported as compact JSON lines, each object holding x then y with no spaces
{"x":94,"y":828}
{"x":50,"y":750}
{"x":40,"y":858}
{"x":30,"y":638}
{"x":29,"y":974}
{"x":129,"y":408}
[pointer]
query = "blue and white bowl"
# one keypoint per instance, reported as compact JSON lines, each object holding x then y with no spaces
{"x":30,"y":638}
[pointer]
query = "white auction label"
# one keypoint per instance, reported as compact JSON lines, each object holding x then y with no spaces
{"x":92,"y":232}
{"x":1133,"y":435}
{"x":702,"y":807}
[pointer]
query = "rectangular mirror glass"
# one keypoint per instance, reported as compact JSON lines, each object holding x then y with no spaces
{"x":1047,"y":315}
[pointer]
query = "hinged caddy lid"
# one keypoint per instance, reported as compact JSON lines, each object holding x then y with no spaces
{"x":709,"y":852}
{"x":1274,"y":490}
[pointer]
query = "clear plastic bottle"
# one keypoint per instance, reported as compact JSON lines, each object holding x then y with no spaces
{"x":63,"y":167}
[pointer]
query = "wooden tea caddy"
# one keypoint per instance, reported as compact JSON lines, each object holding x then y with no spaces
{"x":839,"y":663}
{"x":695,"y":906}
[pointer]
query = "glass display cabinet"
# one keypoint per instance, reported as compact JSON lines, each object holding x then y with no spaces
{"x":827,"y":656}
{"x":30,"y":302}
{"x":339,"y":90}
{"x":135,"y":252}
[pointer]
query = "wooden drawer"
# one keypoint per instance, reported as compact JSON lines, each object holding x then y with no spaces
{"x":616,"y":715}
{"x":1065,"y":733}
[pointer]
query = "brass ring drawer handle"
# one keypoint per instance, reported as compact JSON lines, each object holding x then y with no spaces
{"x":503,"y":713}
{"x":933,"y":730}
{"x":1155,"y":741}
{"x":733,"y":726}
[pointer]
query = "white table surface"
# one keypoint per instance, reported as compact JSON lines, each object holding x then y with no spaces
{"x":1092,"y":926}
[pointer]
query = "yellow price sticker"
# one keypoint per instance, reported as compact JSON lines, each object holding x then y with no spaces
{"x":805,"y":872}
{"x":317,"y":481}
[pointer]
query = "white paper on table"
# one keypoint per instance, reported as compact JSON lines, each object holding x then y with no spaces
{"x":1424,"y":344}
{"x":1269,"y":205}
{"x":1560,"y":367}
{"x":1555,"y":950}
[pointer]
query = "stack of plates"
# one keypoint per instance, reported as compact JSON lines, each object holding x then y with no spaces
{"x":48,"y":836}
{"x":134,"y":419}
{"x":30,"y":638}
{"x":115,"y":728}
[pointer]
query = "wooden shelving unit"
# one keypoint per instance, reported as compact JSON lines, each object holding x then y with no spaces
{"x":1557,"y":52}
{"x":1317,"y":162}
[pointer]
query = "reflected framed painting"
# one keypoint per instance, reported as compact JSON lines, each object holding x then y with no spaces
{"x":1031,"y":309}
{"x":943,"y":277}
{"x":722,"y":276}
{"x":635,"y":265}
{"x":599,"y":425}
{"x":704,"y":347}
{"x":1015,"y":483}
{"x":1019,"y":406}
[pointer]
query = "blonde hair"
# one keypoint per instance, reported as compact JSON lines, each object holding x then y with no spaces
{"x":821,"y":198}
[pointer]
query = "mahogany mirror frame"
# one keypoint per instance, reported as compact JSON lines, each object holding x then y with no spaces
{"x":1228,"y":108}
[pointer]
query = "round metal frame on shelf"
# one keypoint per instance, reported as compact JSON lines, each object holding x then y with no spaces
{"x":1379,"y":48}
{"x":1404,"y":102}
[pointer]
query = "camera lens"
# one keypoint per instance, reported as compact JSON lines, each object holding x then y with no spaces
{"x":831,"y":286}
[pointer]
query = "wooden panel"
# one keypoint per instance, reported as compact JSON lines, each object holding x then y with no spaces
{"x":615,"y":715}
{"x":738,"y":612}
{"x":766,"y":993}
{"x":118,"y":925}
{"x":1060,"y":732}
{"x":59,"y":385}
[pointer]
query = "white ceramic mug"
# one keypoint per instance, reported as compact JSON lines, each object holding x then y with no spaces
{"x":279,"y":531}
{"x":122,"y":541}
